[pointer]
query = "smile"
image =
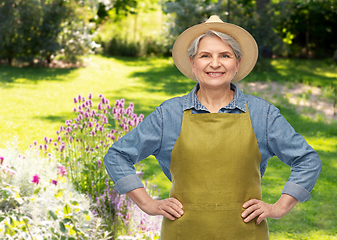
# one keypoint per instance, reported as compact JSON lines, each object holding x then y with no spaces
{"x":215,"y":73}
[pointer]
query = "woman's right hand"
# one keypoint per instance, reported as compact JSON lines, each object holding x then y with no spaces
{"x":170,"y":208}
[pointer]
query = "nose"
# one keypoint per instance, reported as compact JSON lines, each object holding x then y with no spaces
{"x":215,"y":63}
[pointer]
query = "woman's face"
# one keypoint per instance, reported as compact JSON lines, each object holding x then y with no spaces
{"x":215,"y":63}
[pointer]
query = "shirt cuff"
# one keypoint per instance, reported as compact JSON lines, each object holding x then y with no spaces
{"x":296,"y":191}
{"x":128,"y":183}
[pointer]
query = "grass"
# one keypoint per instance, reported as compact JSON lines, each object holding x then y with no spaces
{"x":35,"y":102}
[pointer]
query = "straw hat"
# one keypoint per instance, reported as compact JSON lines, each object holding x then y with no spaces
{"x":246,"y":41}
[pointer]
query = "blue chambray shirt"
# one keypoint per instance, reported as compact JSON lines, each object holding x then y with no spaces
{"x":157,"y":134}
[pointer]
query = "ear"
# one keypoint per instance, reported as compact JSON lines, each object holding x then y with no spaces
{"x":238,"y":64}
{"x":192,"y":65}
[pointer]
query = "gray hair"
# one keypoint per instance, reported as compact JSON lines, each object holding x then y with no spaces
{"x":192,"y":50}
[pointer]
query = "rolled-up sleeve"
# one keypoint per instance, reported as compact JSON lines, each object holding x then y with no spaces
{"x":141,"y":142}
{"x":292,"y":149}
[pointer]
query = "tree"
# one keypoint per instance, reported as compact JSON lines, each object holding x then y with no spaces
{"x":312,"y":26}
{"x":42,"y":29}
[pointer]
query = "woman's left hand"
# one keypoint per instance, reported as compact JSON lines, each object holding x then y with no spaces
{"x":261,"y":210}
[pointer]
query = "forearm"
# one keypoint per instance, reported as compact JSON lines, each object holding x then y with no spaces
{"x":285,"y":204}
{"x":140,"y":197}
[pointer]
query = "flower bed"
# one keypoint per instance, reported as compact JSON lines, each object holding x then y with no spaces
{"x":60,"y":188}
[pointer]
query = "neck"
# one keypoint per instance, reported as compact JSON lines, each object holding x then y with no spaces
{"x":215,"y":99}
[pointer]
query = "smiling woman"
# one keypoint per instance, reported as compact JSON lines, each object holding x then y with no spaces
{"x":214,"y":66}
{"x":214,"y":145}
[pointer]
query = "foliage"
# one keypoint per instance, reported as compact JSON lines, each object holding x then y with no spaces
{"x":281,"y":28}
{"x":308,"y":25}
{"x":38,"y":200}
{"x":131,"y":31}
{"x":81,"y":145}
{"x":42,"y":30}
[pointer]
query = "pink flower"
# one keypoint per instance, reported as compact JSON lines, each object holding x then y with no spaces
{"x":54,"y":182}
{"x":90,"y":96}
{"x":36,"y":179}
{"x":8,"y":169}
{"x":62,"y":171}
{"x":1,"y":160}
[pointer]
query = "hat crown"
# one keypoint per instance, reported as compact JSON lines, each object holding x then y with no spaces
{"x":214,"y":18}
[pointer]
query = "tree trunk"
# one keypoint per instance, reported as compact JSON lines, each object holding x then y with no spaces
{"x":261,"y":9}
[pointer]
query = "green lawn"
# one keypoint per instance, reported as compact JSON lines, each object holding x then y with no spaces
{"x":35,"y":102}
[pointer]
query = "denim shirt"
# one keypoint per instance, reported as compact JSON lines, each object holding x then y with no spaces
{"x":157,"y":134}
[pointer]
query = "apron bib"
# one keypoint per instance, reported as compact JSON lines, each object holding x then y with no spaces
{"x":215,"y":168}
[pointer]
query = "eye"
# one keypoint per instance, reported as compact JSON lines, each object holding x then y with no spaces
{"x":225,"y":56}
{"x":204,"y":56}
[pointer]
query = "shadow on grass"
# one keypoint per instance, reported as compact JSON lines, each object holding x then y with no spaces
{"x":9,"y":74}
{"x":314,"y":72}
{"x":57,"y":118}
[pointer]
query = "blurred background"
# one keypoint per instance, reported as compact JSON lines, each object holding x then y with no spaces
{"x":40,"y":31}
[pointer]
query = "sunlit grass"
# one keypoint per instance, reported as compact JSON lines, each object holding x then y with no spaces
{"x":35,"y":102}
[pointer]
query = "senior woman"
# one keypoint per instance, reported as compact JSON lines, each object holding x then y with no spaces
{"x":214,"y":144}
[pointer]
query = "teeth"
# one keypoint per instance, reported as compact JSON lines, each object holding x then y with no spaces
{"x":214,"y":73}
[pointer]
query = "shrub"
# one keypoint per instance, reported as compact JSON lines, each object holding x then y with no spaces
{"x":39,"y":202}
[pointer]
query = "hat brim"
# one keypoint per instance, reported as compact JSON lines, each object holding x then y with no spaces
{"x":246,"y":41}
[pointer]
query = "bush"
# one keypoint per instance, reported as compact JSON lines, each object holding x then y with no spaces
{"x":39,"y":31}
{"x":39,"y":202}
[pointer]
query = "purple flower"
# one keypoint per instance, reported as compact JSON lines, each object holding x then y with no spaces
{"x":75,"y":100}
{"x":79,"y":98}
{"x":2,"y":160}
{"x":100,"y":95}
{"x":54,"y":182}
{"x":90,"y":96}
{"x":45,"y":147}
{"x":74,"y":110}
{"x":62,"y":147}
{"x":62,"y":171}
{"x":35,"y":143}
{"x":100,"y":106}
{"x":36,"y":179}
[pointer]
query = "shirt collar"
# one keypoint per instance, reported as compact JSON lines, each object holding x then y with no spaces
{"x":239,"y":100}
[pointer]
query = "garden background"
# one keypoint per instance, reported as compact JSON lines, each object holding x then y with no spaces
{"x":70,"y":69}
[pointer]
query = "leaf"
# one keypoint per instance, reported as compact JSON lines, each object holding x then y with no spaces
{"x":87,"y":217}
{"x":52,"y":214}
{"x":62,"y":227}
{"x":59,"y":193}
{"x":67,"y":220}
{"x":36,"y":191}
{"x":72,"y":231}
{"x":67,"y":209}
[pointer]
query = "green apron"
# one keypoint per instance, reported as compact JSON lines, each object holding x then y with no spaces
{"x":215,"y":168}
